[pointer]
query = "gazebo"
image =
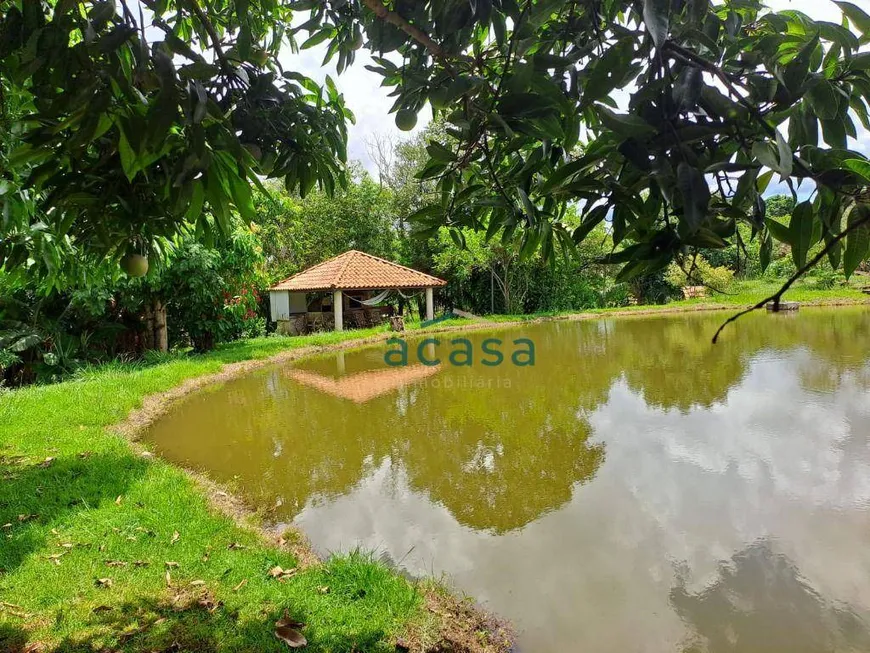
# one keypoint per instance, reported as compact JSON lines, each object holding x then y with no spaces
{"x":351,"y":279}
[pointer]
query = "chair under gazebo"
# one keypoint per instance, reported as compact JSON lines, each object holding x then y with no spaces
{"x":347,"y":288}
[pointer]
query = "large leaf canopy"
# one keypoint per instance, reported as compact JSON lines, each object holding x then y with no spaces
{"x":131,"y":119}
{"x":666,"y":118}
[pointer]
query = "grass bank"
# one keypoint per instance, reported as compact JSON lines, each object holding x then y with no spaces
{"x":102,"y":548}
{"x":741,"y":294}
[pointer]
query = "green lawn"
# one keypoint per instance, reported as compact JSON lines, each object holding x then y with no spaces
{"x":77,"y":505}
{"x":747,"y":293}
{"x":741,"y":294}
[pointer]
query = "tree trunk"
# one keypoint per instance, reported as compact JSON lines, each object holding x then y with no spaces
{"x":155,"y":336}
{"x":161,"y":337}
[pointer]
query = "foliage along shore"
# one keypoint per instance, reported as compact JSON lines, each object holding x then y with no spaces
{"x":108,"y":548}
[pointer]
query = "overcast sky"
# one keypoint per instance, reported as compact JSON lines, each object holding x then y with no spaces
{"x":370,"y":103}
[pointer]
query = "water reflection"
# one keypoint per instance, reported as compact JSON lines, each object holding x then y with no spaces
{"x":565,"y":495}
{"x":761,"y":603}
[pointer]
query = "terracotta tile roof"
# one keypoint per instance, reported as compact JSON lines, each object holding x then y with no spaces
{"x":355,"y":270}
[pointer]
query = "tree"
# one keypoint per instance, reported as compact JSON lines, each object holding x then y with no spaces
{"x":126,"y":140}
{"x":675,"y":165}
{"x":681,"y":108}
{"x":299,"y":232}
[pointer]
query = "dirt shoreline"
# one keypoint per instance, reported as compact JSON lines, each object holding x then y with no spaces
{"x":459,"y":620}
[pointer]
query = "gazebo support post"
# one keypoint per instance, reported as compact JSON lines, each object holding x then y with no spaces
{"x":338,"y":308}
{"x":430,"y":305}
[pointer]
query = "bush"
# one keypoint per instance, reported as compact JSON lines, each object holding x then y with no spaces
{"x":702,"y":274}
{"x":213,"y":294}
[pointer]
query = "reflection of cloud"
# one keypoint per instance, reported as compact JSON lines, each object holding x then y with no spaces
{"x":760,"y":603}
{"x":364,"y":386}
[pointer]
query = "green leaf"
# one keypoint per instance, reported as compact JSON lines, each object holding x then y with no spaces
{"x":765,"y":250}
{"x":438,"y":152}
{"x":824,"y":100}
{"x":128,"y":156}
{"x":194,"y":209}
{"x":778,"y":230}
{"x":859,"y":166}
{"x":858,"y":241}
{"x":696,"y":195}
{"x":688,"y":87}
{"x":592,"y":219}
{"x":858,"y":17}
{"x":657,"y":19}
{"x":801,"y":229}
{"x":785,"y":156}
{"x":625,"y":124}
{"x":765,"y":155}
{"x":317,"y":38}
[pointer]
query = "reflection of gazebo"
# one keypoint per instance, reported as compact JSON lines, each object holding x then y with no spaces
{"x":364,"y":386}
{"x":352,"y":279}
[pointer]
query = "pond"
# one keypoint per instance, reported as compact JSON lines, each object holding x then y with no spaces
{"x":635,"y":489}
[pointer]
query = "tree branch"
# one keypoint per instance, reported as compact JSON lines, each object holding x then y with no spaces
{"x":213,"y":35}
{"x":775,"y":297}
{"x":713,"y":69}
{"x":414,"y":32}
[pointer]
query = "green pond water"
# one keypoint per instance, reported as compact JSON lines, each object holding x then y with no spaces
{"x":636,"y":490}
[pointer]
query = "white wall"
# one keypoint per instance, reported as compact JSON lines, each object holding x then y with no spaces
{"x":279,"y":303}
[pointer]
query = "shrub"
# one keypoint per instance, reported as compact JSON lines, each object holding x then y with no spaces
{"x":213,"y":294}
{"x":702,"y":274}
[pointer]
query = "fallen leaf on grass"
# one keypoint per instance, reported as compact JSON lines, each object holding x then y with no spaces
{"x":291,"y":637}
{"x":235,"y":545}
{"x":171,"y":564}
{"x":47,"y":462}
{"x":197,"y":583}
{"x":241,"y":584}
{"x":104,"y":582}
{"x":115,"y":563}
{"x":323,"y":589}
{"x":6,"y":527}
{"x":141,"y":563}
{"x":168,"y":580}
{"x":86,"y":454}
{"x":118,"y":500}
{"x":175,"y":537}
{"x":282,"y":574}
{"x":24,"y":518}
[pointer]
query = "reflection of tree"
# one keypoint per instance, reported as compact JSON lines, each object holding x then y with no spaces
{"x":500,"y":455}
{"x":760,"y":604}
{"x":501,"y":476}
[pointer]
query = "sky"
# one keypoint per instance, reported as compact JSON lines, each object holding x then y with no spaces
{"x":371,"y":103}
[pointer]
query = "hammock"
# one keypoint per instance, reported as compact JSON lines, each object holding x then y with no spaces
{"x":377,"y":300}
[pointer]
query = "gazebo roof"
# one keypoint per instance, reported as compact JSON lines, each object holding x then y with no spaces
{"x":355,"y":270}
